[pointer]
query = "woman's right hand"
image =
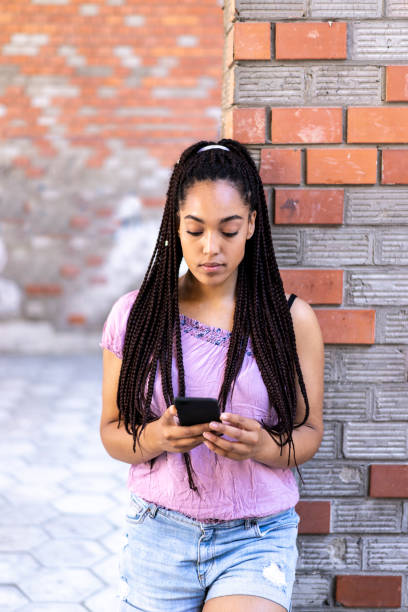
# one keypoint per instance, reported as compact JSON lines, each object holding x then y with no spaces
{"x":175,"y":438}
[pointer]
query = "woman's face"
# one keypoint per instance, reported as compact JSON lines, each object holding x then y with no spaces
{"x":215,"y":224}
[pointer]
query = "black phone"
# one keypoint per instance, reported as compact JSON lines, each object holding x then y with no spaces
{"x":197,"y":410}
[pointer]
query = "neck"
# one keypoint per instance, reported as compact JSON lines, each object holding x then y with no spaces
{"x":193,"y":290}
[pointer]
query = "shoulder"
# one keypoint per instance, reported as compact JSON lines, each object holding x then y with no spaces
{"x":305,"y":323}
{"x":114,"y":328}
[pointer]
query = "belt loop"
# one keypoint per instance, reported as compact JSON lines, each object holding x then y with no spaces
{"x":153,"y":510}
{"x":247,"y":523}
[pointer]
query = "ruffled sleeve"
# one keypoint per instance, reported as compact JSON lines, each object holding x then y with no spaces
{"x":114,"y":328}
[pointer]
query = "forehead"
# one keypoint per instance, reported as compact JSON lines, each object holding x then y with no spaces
{"x":213,"y":196}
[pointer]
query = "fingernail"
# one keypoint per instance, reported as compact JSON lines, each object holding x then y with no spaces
{"x":214,"y":425}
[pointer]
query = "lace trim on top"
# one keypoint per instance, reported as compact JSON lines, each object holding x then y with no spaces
{"x":209,"y":333}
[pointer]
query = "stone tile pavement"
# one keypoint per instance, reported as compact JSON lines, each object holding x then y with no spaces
{"x":62,"y":497}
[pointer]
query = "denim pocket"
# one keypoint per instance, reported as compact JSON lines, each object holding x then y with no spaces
{"x":136,"y":511}
{"x":287,"y":520}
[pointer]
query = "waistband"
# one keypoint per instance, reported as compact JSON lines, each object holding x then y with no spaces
{"x":153,"y":509}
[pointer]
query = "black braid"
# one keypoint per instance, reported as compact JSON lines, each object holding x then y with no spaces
{"x":261,"y":313}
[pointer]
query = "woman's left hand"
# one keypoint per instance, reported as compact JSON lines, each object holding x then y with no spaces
{"x":248,"y":437}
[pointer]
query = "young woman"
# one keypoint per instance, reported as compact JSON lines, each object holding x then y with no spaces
{"x":211,"y":523}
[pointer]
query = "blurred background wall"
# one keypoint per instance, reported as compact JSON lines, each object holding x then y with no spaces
{"x":97,"y":101}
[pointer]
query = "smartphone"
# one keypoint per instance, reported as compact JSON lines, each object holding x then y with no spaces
{"x":197,"y":410}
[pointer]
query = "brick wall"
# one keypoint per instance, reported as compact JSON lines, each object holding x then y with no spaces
{"x":97,"y":101}
{"x":318,"y":90}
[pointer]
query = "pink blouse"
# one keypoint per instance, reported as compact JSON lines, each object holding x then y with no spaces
{"x":229,"y":489}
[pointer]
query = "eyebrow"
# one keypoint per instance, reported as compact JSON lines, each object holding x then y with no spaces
{"x":231,"y":218}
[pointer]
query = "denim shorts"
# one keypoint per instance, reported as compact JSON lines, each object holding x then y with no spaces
{"x":170,"y":562}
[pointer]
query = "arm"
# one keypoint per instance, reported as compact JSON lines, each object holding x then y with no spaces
{"x":308,"y":437}
{"x":117,"y":442}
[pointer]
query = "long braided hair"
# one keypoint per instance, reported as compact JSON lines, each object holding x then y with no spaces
{"x":261,"y":311}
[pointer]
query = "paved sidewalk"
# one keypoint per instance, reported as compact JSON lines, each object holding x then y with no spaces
{"x":62,"y":497}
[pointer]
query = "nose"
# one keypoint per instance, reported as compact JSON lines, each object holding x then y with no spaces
{"x":211,"y":246}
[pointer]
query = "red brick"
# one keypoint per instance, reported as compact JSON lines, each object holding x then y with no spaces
{"x":394,"y":170}
{"x":388,"y":481}
{"x":314,"y":286}
{"x":314,"y":516}
{"x":69,"y":271}
{"x":314,"y":125}
{"x":397,"y":84}
{"x":153,"y":202}
{"x":309,"y":206}
{"x":76,"y":319}
{"x":252,"y":41}
{"x":341,"y":166}
{"x":79,"y":222}
{"x":104,"y":211}
{"x":246,"y":125}
{"x":94,"y":260}
{"x":384,"y":124}
{"x":347,"y":326}
{"x":280,"y":166}
{"x":302,"y":40}
{"x":368,"y":591}
{"x":43,"y":289}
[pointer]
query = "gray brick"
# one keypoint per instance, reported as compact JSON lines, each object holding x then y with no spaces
{"x":390,"y":403}
{"x":329,"y":553}
{"x":387,"y":554}
{"x":344,"y":84}
{"x":392,"y":326}
{"x":337,"y":247}
{"x":286,"y":244}
{"x":380,"y":40}
{"x":374,"y":441}
{"x":134,"y":20}
{"x":269,"y":85}
{"x":332,"y":479}
{"x":331,"y":366}
{"x":375,"y":206}
{"x":328,"y":447}
{"x":367,"y":516}
{"x":88,"y":10}
{"x":377,"y":287}
{"x":346,"y":8}
{"x":94,"y":71}
{"x":346,"y":403}
{"x":391,"y":247}
{"x":373,"y":364}
{"x":310,"y":590}
{"x":271,"y":9}
{"x":396,"y":8}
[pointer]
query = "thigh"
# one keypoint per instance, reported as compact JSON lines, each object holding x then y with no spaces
{"x":158,"y":564}
{"x":241,"y":603}
{"x":259,"y":562}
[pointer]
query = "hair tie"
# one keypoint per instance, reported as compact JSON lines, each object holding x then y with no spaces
{"x":213,"y":146}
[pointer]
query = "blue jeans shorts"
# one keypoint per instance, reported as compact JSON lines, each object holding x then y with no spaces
{"x":172,"y":563}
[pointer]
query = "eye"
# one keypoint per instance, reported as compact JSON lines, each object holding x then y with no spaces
{"x":228,"y":234}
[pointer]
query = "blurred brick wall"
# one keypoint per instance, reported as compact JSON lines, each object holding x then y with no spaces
{"x":319,"y":91}
{"x":97,"y":100}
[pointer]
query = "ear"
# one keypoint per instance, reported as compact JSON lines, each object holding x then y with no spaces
{"x":251,"y":224}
